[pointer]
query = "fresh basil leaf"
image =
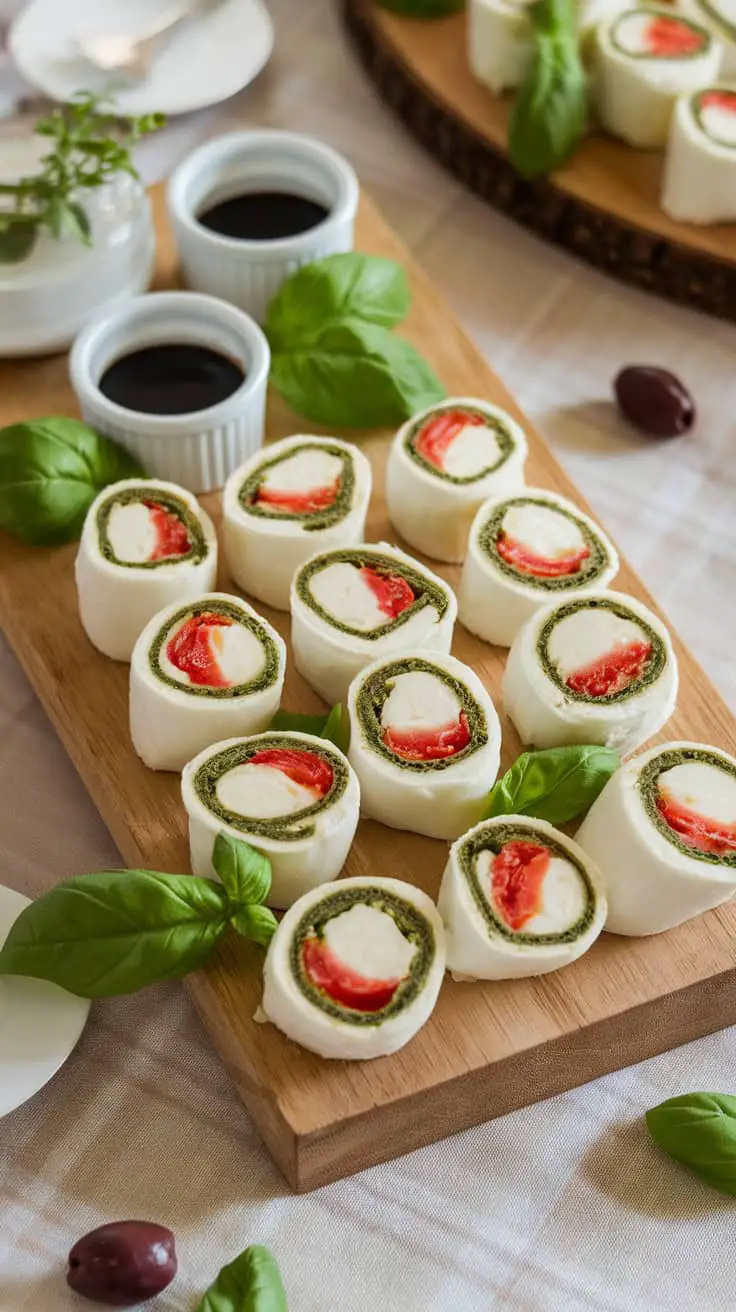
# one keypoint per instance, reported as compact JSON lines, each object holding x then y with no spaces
{"x":334,"y":726}
{"x":51,"y":470}
{"x":423,"y":8}
{"x":551,"y":110}
{"x":553,"y":785}
{"x":17,"y":240}
{"x":348,"y":286}
{"x":355,"y":375}
{"x":245,"y":873}
{"x":114,"y":932}
{"x":337,"y":727}
{"x":699,"y":1130}
{"x":255,"y":922}
{"x":252,"y":1283}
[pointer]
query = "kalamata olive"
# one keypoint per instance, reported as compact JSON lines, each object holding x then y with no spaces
{"x":123,"y":1263}
{"x":654,"y":400}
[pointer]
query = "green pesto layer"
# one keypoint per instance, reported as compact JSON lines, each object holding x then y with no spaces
{"x":500,"y":430}
{"x":695,"y":105}
{"x":426,"y":593}
{"x":492,"y":839}
{"x":271,"y":656}
{"x":413,"y":925}
{"x":654,"y":667}
{"x":311,"y":521}
{"x":591,"y":568}
{"x":650,"y":777}
{"x":198,"y":548}
{"x":375,"y":691}
{"x":657,"y":13}
{"x":287,"y":829}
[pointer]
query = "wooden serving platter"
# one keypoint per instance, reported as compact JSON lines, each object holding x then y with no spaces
{"x":603,"y":206}
{"x":488,"y":1047}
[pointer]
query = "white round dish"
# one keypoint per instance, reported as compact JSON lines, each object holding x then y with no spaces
{"x":39,"y":1023}
{"x":249,"y":273}
{"x":198,"y":449}
{"x":205,"y":60}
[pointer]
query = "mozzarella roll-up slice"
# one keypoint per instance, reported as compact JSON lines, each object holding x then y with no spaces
{"x":719,"y":16}
{"x":443,"y":463}
{"x":145,"y":545}
{"x":424,"y":743}
{"x":350,"y":607}
{"x":524,"y":551}
{"x":299,"y":496}
{"x":644,"y":60}
{"x":518,"y":898}
{"x":501,"y":42}
{"x":354,"y":969}
{"x":663,"y":832}
{"x":597,"y":669}
{"x":700,"y":168}
{"x":200,"y":673}
{"x":290,"y":795}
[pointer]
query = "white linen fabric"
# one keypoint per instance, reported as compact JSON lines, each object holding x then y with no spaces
{"x":561,"y":1207}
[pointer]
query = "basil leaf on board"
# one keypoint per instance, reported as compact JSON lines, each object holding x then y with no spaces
{"x":118,"y":931}
{"x":252,"y":1283}
{"x":423,"y":8}
{"x":51,"y":470}
{"x":550,"y":113}
{"x":256,"y":923}
{"x":337,"y":727}
{"x":553,"y":785}
{"x":354,"y":374}
{"x":334,"y":726}
{"x":348,"y":286}
{"x":245,"y":873}
{"x":699,"y":1130}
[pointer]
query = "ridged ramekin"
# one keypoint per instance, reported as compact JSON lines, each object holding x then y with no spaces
{"x":198,"y":450}
{"x":249,"y":273}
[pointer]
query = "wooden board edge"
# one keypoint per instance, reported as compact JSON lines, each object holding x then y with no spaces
{"x":632,"y":255}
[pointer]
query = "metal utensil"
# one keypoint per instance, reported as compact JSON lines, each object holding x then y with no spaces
{"x":132,"y":53}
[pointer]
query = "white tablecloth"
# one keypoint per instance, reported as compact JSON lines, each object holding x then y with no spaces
{"x":562,"y":1207}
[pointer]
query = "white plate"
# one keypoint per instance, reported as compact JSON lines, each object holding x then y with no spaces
{"x":204,"y":61}
{"x":39,"y":1023}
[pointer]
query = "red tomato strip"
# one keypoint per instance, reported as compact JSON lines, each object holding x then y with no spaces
{"x":613,"y":672}
{"x":299,"y":503}
{"x":343,"y":984}
{"x":429,"y":744}
{"x":172,"y":538}
{"x":669,"y":38}
{"x":433,"y":441}
{"x":190,"y":650}
{"x":517,"y":875}
{"x":697,"y":830}
{"x":543,"y":567}
{"x":391,"y":591}
{"x":305,"y":768}
{"x":719,"y":100}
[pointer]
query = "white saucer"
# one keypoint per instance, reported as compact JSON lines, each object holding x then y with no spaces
{"x":39,"y":1023}
{"x":205,"y":61}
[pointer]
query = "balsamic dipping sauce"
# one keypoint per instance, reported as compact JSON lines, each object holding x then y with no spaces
{"x":263,"y":215}
{"x":171,"y":379}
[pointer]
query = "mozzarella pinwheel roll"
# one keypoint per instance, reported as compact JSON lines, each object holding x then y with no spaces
{"x":523,"y":551}
{"x":145,"y":544}
{"x":663,"y":833}
{"x":297,"y":497}
{"x":597,"y":669}
{"x":719,"y":16}
{"x":518,"y":898}
{"x":349,"y":607}
{"x":290,"y":795}
{"x":199,"y":673}
{"x":354,"y":969}
{"x":424,"y":743}
{"x":501,"y":37}
{"x":700,"y":168}
{"x":443,"y":463}
{"x":644,"y":60}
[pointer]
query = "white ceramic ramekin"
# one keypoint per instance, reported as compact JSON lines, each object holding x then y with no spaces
{"x":249,"y":273}
{"x":197,"y":450}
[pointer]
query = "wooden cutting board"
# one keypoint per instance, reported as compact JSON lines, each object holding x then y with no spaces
{"x":488,"y":1047}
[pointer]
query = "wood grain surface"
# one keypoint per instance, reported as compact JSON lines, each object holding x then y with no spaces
{"x":488,"y":1047}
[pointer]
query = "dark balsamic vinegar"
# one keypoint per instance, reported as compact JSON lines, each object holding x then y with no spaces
{"x":263,"y":215}
{"x":174,"y":378}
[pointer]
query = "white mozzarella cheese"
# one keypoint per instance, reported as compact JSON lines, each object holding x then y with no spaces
{"x":342,"y":591}
{"x":543,"y":531}
{"x":699,"y":183}
{"x":473,"y":450}
{"x":586,"y":636}
{"x":370,"y":942}
{"x":237,"y":652}
{"x":419,"y":701}
{"x":305,"y":471}
{"x":132,"y":532}
{"x":263,"y":792}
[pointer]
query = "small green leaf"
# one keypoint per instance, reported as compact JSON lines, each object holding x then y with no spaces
{"x":245,"y":873}
{"x":17,"y":241}
{"x":699,"y":1130}
{"x":553,"y":785}
{"x":256,"y":923}
{"x":334,"y":726}
{"x":252,"y":1283}
{"x":337,"y":727}
{"x":339,"y":287}
{"x":550,"y":113}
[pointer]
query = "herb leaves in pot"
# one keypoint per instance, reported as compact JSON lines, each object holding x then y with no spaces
{"x":551,"y":110}
{"x":554,"y":785}
{"x":699,"y":1130}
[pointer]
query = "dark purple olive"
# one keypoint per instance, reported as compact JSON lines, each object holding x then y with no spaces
{"x":123,"y":1263}
{"x":654,"y":400}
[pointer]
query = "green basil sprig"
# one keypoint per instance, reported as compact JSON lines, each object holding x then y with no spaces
{"x":51,"y":470}
{"x":114,"y":932}
{"x":551,"y":110}
{"x":334,"y":726}
{"x":553,"y":785}
{"x":423,"y":8}
{"x":699,"y":1130}
{"x":333,"y":356}
{"x":252,"y":1283}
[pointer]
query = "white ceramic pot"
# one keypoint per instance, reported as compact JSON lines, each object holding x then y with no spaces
{"x":249,"y":273}
{"x":198,"y":449}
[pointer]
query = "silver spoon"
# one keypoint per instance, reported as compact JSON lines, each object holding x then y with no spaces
{"x":132,"y":53}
